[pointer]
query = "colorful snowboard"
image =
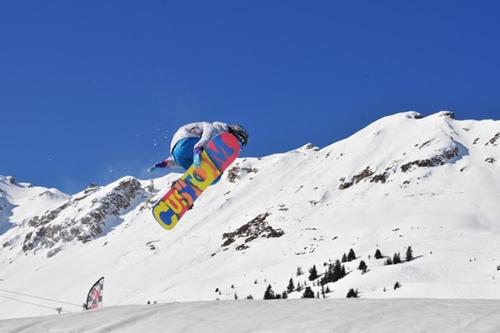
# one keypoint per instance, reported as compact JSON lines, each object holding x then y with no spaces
{"x":218,"y":154}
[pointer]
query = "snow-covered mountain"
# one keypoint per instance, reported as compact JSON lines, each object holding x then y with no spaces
{"x":429,"y":183}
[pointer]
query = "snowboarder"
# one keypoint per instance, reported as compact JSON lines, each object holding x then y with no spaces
{"x":189,"y":140}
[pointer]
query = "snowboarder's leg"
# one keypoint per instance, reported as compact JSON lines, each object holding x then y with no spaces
{"x":183,"y":152}
{"x":183,"y":155}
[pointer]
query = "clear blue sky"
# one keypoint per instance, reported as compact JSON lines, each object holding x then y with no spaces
{"x":92,"y":90}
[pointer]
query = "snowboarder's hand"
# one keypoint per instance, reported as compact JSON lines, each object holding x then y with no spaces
{"x":197,"y":157}
{"x":163,"y":164}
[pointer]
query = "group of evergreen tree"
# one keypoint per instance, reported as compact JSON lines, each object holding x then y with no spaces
{"x":334,"y":273}
{"x":291,"y":286}
{"x":396,"y":258}
{"x":349,"y":257}
{"x":363,"y":267}
{"x":308,"y":293}
{"x":313,"y":273}
{"x":269,"y":294}
{"x":352,"y":293}
{"x":409,"y":254}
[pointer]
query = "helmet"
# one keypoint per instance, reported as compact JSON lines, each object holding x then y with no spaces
{"x":239,"y":132}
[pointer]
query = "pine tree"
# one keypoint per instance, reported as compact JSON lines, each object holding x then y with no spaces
{"x":409,"y":254}
{"x":284,"y":295}
{"x":351,"y":256}
{"x":299,"y":287}
{"x":291,"y":286}
{"x":397,"y":285}
{"x":269,"y":294}
{"x":388,"y":261}
{"x":235,"y":296}
{"x":396,"y":259}
{"x":327,"y":290}
{"x":249,"y":297}
{"x":362,"y":266}
{"x":344,"y":257}
{"x":337,"y":271}
{"x":313,"y":273}
{"x":352,"y":293}
{"x":317,"y":294}
{"x":378,"y":254}
{"x":327,"y":276}
{"x":299,"y":271}
{"x":308,"y":293}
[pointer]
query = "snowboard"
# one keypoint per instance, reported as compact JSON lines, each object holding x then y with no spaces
{"x":217,"y":155}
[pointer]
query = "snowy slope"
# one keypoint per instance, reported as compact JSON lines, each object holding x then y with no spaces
{"x":21,"y":201}
{"x":405,"y":180}
{"x":277,"y":316}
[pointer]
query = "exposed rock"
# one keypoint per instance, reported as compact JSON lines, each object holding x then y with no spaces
{"x":493,"y":140}
{"x":310,"y":146}
{"x":437,"y":160}
{"x":48,"y":232}
{"x":414,"y":115}
{"x":49,"y":216}
{"x":447,"y":114}
{"x":381,"y":178}
{"x":91,"y":188}
{"x":252,"y":230}
{"x":490,"y":160}
{"x":425,"y":144}
{"x":11,"y":180}
{"x":355,"y":179}
{"x":53,"y":252}
{"x":236,"y":172}
{"x":282,"y":207}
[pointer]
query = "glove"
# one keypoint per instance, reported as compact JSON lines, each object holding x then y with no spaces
{"x":163,"y":164}
{"x":197,"y":157}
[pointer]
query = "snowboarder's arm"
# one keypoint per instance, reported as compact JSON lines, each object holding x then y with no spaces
{"x":169,"y":162}
{"x":208,"y":131}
